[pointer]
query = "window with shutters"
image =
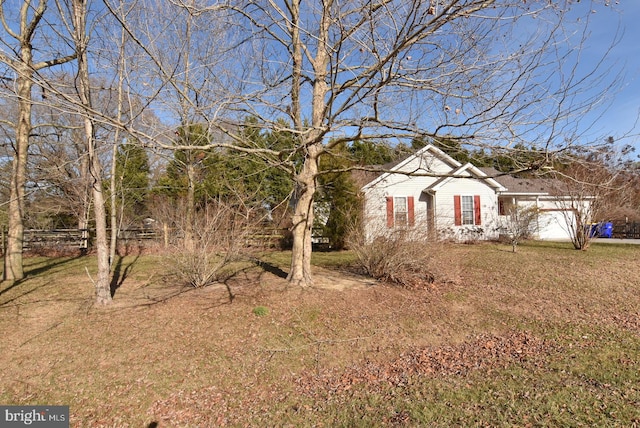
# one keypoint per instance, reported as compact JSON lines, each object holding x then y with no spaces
{"x":400,"y":212}
{"x":467,"y":210}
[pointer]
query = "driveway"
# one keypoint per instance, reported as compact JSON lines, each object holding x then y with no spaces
{"x":616,"y":241}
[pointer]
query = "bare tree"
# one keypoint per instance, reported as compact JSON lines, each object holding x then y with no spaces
{"x":57,"y":165}
{"x":488,"y":73}
{"x":357,"y":71}
{"x":79,"y":11}
{"x":121,"y":66}
{"x":521,"y":223}
{"x":25,"y":67}
{"x":588,"y":182}
{"x":58,"y":161}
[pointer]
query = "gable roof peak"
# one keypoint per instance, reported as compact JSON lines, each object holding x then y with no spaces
{"x":428,"y":150}
{"x":473,"y":172}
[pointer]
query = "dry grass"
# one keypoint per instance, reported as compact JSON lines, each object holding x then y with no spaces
{"x":542,"y":335}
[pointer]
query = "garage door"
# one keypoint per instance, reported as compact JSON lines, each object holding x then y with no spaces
{"x":555,"y":224}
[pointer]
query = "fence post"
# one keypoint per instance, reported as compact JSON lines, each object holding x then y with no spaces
{"x":165,"y":232}
{"x":84,"y":241}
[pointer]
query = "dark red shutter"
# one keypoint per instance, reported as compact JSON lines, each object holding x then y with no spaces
{"x":389,"y":211}
{"x":457,"y":210}
{"x":476,"y":210}
{"x":411,"y":214}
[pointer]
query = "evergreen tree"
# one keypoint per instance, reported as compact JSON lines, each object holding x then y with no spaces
{"x":255,"y":180}
{"x":339,"y":193}
{"x":132,"y":180}
{"x":187,"y":167}
{"x":260,"y":178}
{"x":369,"y":152}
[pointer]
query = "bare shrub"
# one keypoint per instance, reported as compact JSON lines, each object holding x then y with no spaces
{"x":399,"y":258}
{"x":521,"y":223}
{"x":220,"y":236}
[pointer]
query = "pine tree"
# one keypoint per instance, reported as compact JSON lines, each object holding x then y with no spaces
{"x":132,"y":181}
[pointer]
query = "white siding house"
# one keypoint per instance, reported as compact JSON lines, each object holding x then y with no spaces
{"x":430,"y":194}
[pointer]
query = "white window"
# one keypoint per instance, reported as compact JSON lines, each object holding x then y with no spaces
{"x":400,"y":211}
{"x":467,"y":210}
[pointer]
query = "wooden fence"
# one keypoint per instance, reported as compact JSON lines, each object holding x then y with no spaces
{"x":58,"y":239}
{"x":67,"y":240}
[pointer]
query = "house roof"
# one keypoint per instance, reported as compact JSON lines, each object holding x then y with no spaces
{"x":464,"y":171}
{"x":529,"y":186}
{"x":398,"y":165}
{"x":503,"y":183}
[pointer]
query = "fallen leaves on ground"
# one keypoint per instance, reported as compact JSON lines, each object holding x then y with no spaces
{"x":484,"y":352}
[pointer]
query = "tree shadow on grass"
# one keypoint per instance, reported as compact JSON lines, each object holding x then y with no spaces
{"x":271,"y":268}
{"x":228,"y":278}
{"x":120,"y":273}
{"x":30,"y":273}
{"x":6,"y":303}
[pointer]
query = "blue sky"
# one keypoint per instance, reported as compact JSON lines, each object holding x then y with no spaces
{"x":620,"y":117}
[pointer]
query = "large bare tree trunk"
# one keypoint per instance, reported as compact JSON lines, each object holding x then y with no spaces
{"x":102,"y":283}
{"x":300,"y":273}
{"x":25,"y":69}
{"x":306,"y":185}
{"x":13,"y":266}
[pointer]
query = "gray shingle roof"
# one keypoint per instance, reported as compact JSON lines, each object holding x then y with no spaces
{"x":533,"y":185}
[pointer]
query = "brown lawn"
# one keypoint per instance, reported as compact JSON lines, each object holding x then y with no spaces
{"x":349,"y":351}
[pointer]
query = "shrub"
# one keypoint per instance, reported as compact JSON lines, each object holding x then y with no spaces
{"x":397,"y":258}
{"x":197,"y":267}
{"x":521,"y":223}
{"x":220,"y":237}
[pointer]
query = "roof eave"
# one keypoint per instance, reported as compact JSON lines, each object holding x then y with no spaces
{"x":507,"y":193}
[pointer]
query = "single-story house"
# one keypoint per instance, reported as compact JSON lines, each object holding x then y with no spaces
{"x":433,"y":195}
